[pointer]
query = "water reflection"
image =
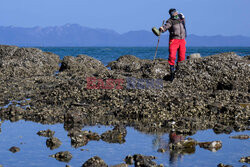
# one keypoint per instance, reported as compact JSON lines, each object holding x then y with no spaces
{"x":113,"y":144}
{"x":176,"y":154}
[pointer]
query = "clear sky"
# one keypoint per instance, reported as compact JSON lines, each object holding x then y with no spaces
{"x":204,"y":17}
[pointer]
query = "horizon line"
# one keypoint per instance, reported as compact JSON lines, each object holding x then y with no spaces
{"x":71,"y":24}
{"x":127,"y":46}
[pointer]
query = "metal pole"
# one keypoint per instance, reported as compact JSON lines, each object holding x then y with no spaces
{"x":158,"y":41}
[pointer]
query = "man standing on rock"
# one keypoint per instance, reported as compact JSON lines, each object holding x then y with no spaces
{"x":177,"y":34}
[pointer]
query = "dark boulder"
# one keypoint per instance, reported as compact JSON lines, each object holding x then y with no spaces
{"x":126,"y":63}
{"x":141,"y":161}
{"x":14,"y":149}
{"x":129,"y":160}
{"x":241,"y":137}
{"x":63,"y":156}
{"x":132,"y":66}
{"x":95,"y":162}
{"x":117,"y":135}
{"x":144,"y":161}
{"x":245,"y":160}
{"x":222,"y":165}
{"x":212,"y":146}
{"x":81,"y":138}
{"x":46,"y":133}
{"x":83,"y":66}
{"x":53,"y":143}
{"x":120,"y":165}
{"x":26,"y":62}
{"x":183,"y":146}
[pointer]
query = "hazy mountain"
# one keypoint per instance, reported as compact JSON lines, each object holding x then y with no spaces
{"x":76,"y":35}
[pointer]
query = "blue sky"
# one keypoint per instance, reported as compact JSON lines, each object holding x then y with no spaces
{"x":204,"y":17}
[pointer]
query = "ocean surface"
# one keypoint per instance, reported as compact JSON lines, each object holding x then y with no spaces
{"x":35,"y":153}
{"x":108,"y":54}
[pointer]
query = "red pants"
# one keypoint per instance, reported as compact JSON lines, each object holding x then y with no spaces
{"x":174,"y":45}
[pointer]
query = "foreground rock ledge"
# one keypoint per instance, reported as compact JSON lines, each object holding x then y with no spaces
{"x":206,"y":93}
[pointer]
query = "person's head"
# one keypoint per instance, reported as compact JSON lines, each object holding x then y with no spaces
{"x":173,"y":12}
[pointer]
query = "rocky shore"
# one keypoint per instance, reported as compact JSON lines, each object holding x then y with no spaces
{"x":208,"y":93}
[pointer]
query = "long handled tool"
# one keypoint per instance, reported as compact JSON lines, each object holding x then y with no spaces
{"x":158,"y":34}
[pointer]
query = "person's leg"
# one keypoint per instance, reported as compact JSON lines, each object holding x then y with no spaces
{"x":173,"y":46}
{"x":182,"y":50}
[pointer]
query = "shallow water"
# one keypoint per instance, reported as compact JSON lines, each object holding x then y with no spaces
{"x":35,"y":153}
{"x":17,"y":104}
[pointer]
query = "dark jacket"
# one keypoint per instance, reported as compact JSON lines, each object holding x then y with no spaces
{"x":176,"y":28}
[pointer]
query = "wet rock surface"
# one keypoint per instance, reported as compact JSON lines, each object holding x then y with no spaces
{"x":64,"y":156}
{"x":161,"y":150}
{"x":131,"y":66}
{"x":26,"y":62}
{"x":205,"y":94}
{"x":140,"y":160}
{"x":117,"y":135}
{"x":245,"y":160}
{"x":129,"y":160}
{"x":81,"y":138}
{"x":184,"y":146}
{"x":212,"y":146}
{"x":95,"y":162}
{"x":82,"y":65}
{"x":222,"y":165}
{"x":46,"y":133}
{"x":53,"y":143}
{"x":120,"y":165}
{"x":178,"y":145}
{"x":14,"y":149}
{"x":144,"y":161}
{"x":241,"y":137}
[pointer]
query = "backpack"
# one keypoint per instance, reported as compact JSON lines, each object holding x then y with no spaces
{"x":183,"y":22}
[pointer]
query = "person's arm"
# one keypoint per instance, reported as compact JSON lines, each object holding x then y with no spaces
{"x":166,"y":26}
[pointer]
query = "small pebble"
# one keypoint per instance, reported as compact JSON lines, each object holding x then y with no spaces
{"x":14,"y":149}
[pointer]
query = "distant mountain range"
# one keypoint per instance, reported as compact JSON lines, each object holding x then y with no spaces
{"x":76,"y":35}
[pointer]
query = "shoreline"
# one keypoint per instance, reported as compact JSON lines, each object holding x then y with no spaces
{"x":199,"y":98}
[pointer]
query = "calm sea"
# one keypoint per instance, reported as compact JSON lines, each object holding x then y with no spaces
{"x":108,"y":54}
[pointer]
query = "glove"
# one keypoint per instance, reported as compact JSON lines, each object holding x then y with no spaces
{"x":182,"y":16}
{"x":161,"y":29}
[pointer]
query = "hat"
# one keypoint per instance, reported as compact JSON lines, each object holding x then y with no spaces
{"x":172,"y":11}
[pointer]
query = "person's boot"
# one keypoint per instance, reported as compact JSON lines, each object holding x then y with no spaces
{"x":177,"y":67}
{"x":171,"y":73}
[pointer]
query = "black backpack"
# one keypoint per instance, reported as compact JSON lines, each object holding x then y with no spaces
{"x":184,"y":24}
